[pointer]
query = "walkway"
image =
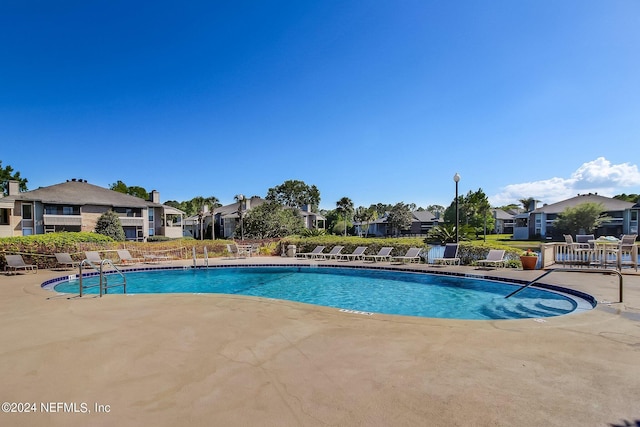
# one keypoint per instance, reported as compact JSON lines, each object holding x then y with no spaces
{"x":204,"y":360}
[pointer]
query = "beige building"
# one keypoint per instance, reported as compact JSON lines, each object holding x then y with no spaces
{"x":76,"y":205}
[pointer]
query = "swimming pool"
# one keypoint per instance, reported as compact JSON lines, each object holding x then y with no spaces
{"x":358,"y":290}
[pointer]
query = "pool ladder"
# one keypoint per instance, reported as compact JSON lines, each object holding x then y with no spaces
{"x":104,"y":285}
{"x":572,"y":270}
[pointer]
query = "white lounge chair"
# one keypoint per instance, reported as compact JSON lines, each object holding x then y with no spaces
{"x":317,"y":251}
{"x":412,"y":255}
{"x":495,"y":258}
{"x":16,"y":263}
{"x":358,"y":253}
{"x":384,"y":254}
{"x":335,"y":251}
{"x":64,"y":260}
{"x":450,"y":256}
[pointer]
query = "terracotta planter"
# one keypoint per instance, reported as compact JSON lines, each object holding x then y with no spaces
{"x":529,"y":262}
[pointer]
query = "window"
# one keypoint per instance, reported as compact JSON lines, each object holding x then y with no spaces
{"x":150,"y":215}
{"x":634,"y":215}
{"x":4,"y":216}
{"x":27,"y":211}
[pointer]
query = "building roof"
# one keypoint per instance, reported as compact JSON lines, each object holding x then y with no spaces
{"x":79,"y":192}
{"x":610,"y":204}
{"x":424,"y":216}
{"x":501,"y":214}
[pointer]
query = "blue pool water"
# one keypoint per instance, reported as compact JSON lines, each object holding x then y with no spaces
{"x":371,"y":291}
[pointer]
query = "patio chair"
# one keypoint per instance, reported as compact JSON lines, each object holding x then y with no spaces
{"x":495,"y":258}
{"x":335,"y":251}
{"x":412,"y":255}
{"x":318,"y":250}
{"x":126,"y":258}
{"x":628,"y":251}
{"x":384,"y":254}
{"x":358,"y":253}
{"x":578,"y":253}
{"x":65,"y":261}
{"x":16,"y":263}
{"x":450,"y":256}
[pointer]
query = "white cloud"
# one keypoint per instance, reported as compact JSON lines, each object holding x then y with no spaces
{"x":597,"y":176}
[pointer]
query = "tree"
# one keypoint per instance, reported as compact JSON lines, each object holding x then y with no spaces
{"x":474,"y":211}
{"x":446,"y":233}
{"x":527,"y":203}
{"x":633,"y":198}
{"x":195,"y":205}
{"x":381,"y":209}
{"x":136,"y":191}
{"x":399,"y":218}
{"x":364,"y":216}
{"x":436,"y":209}
{"x":7,"y":174}
{"x":581,"y":219}
{"x":345,"y":207}
{"x":295,"y":194}
{"x":271,"y":220}
{"x":108,"y":224}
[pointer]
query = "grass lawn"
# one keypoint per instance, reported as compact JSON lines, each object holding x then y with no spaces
{"x":505,"y":239}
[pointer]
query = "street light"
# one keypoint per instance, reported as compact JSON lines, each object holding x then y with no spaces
{"x":456,"y":179}
{"x":240,"y":198}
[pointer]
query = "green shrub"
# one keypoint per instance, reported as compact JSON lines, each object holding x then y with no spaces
{"x":109,"y":224}
{"x":307,"y":244}
{"x":39,"y":248}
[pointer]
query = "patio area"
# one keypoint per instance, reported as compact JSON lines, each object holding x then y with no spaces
{"x":232,"y":360}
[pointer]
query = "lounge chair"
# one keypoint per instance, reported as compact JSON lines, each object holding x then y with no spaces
{"x":412,"y":255}
{"x":335,"y":251}
{"x":236,"y":251}
{"x":317,"y":251}
{"x":384,"y":254}
{"x":495,"y":258}
{"x":93,"y":256}
{"x":126,"y":258}
{"x":358,"y":253}
{"x":65,"y":260}
{"x":450,"y":256}
{"x":16,"y":263}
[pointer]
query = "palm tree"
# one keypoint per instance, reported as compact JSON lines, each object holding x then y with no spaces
{"x":345,"y":207}
{"x":365,"y":216}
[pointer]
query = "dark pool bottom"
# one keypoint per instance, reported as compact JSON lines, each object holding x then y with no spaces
{"x":409,"y":293}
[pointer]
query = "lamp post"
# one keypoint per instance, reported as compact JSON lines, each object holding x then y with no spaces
{"x":240,"y":198}
{"x":456,"y":179}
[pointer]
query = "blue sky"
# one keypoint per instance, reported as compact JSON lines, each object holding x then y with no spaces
{"x":379,"y":101}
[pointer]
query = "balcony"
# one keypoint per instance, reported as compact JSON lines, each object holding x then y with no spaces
{"x":132,"y":221}
{"x":49,"y":219}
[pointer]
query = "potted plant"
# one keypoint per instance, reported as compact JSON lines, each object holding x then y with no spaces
{"x":529,"y":259}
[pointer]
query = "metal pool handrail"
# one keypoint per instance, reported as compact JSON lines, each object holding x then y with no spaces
{"x":104,"y":286}
{"x":573,"y":270}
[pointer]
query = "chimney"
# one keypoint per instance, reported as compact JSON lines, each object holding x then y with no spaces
{"x":155,"y":196}
{"x":14,"y":187}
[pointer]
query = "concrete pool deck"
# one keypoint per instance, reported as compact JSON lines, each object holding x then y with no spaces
{"x":219,"y":360}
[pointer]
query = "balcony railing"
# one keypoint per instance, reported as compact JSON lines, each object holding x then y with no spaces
{"x":62,"y":219}
{"x":131,"y":221}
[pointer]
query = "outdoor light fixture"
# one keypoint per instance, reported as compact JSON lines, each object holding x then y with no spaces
{"x":456,"y":179}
